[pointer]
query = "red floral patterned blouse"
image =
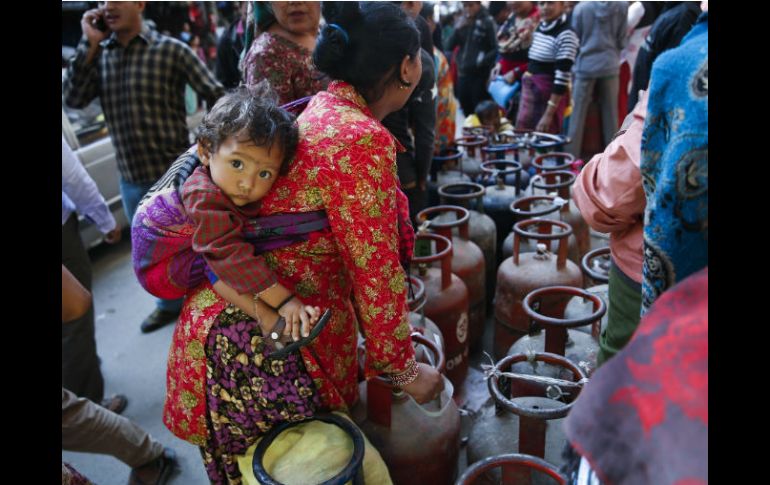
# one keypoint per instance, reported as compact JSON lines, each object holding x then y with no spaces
{"x":287,"y":66}
{"x":346,"y":165}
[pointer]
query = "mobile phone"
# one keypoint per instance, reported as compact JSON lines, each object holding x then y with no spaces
{"x":100,"y":24}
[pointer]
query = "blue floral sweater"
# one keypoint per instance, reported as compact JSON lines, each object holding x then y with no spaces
{"x":674,"y":165}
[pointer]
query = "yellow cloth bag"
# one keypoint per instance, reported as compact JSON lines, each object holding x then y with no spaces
{"x":312,"y":452}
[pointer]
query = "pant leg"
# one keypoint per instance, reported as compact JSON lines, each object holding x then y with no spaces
{"x":581,"y":97}
{"x":80,"y":370}
{"x":608,"y":106}
{"x":625,"y":301}
{"x":465,"y":94}
{"x":131,"y":193}
{"x":479,"y":90}
{"x":88,"y":427}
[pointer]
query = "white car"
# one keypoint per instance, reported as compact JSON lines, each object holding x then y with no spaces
{"x":86,"y":132}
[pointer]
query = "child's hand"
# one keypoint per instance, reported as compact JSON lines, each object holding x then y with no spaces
{"x":300,"y":318}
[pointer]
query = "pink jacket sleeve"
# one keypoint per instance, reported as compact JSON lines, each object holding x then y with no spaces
{"x":608,"y":191}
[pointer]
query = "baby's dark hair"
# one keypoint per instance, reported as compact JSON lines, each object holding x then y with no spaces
{"x":486,"y":109}
{"x":251,"y":112}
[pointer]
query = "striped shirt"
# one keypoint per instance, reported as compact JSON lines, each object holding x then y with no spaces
{"x":141,"y":87}
{"x":553,"y":51}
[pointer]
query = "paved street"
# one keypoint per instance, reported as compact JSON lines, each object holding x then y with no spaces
{"x":133,"y":364}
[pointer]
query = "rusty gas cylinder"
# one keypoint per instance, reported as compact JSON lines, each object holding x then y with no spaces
{"x":416,"y":302}
{"x":596,"y":268}
{"x":545,"y":307}
{"x":510,"y":463}
{"x":524,"y":414}
{"x":446,"y":168}
{"x":467,"y":262}
{"x":481,"y":227}
{"x":561,"y":181}
{"x":498,"y":198}
{"x":507,"y":151}
{"x":446,"y":304}
{"x":522,"y":273}
{"x":471,"y":163}
{"x":552,"y":161}
{"x":419,"y":443}
{"x":532,"y":207}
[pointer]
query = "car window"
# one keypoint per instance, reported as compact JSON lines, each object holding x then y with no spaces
{"x":87,"y":123}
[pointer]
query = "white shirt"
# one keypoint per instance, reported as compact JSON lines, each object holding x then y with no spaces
{"x":79,"y":192}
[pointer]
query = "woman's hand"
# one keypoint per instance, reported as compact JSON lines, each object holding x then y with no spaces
{"x":544,"y":125}
{"x":300,"y":318}
{"x":427,"y":386}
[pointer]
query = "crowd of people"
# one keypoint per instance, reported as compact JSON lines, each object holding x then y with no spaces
{"x":292,"y":213}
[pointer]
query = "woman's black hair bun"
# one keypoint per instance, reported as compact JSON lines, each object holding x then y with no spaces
{"x":332,"y":46}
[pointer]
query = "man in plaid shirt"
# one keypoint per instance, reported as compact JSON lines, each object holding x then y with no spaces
{"x":139,"y":76}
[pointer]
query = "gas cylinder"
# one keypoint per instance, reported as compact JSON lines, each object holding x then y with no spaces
{"x":446,"y":168}
{"x":561,"y":181}
{"x":545,"y":306}
{"x":416,"y":302}
{"x":548,"y":162}
{"x":446,"y":304}
{"x":533,"y":142}
{"x":532,"y":207}
{"x":511,"y":464}
{"x":504,"y":152}
{"x":498,"y":198}
{"x":522,"y":273}
{"x":481,"y":227}
{"x":470,"y":164}
{"x":467,"y":262}
{"x":596,"y":268}
{"x":524,"y":413}
{"x":419,"y":443}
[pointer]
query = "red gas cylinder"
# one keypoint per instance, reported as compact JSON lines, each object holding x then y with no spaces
{"x":446,"y":168}
{"x":524,"y":414}
{"x":552,"y":161}
{"x":419,"y":443}
{"x":561,"y":181}
{"x":447,"y":304}
{"x":596,"y":268}
{"x":416,"y":302}
{"x":522,"y":273}
{"x":511,"y":465}
{"x":481,"y":227}
{"x":467,"y":261}
{"x":532,"y":207}
{"x":545,"y":307}
{"x":471,"y":162}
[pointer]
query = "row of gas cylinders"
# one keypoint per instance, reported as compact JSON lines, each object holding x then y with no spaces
{"x":546,"y":324}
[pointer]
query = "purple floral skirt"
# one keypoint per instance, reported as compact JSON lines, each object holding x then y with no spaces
{"x":247,"y":394}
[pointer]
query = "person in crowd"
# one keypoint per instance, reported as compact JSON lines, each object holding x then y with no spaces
{"x":545,"y":85}
{"x":631,"y":421}
{"x":675,"y":165}
{"x":608,"y":192}
{"x":514,"y":38}
{"x":414,"y":127}
{"x":487,"y":114}
{"x":475,"y":36}
{"x":281,"y":53}
{"x":446,"y":103}
{"x":499,"y":11}
{"x":87,"y":427}
{"x":345,"y":165}
{"x":667,"y":32}
{"x":229,"y":49}
{"x":80,"y":370}
{"x":601,"y":29}
{"x":413,"y":10}
{"x":139,"y":76}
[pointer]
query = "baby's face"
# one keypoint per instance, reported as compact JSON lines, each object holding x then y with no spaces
{"x":245,"y":172}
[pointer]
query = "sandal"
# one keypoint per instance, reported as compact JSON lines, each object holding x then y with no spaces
{"x":283,"y":345}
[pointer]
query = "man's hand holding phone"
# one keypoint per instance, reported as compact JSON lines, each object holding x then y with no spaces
{"x":94,"y":27}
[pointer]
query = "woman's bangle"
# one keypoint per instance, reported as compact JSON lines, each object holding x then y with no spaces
{"x":284,"y":302}
{"x":408,"y":376}
{"x":552,"y":104}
